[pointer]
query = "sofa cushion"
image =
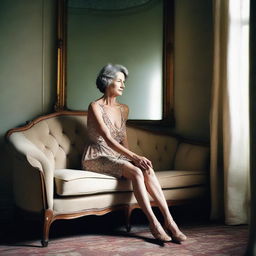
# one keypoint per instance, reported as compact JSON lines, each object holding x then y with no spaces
{"x":71,"y":182}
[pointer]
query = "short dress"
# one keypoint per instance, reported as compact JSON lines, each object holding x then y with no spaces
{"x":98,"y":156}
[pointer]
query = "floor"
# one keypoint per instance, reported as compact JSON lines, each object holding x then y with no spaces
{"x":106,"y":235}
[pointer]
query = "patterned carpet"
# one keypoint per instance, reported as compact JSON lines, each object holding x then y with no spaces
{"x":203,"y":239}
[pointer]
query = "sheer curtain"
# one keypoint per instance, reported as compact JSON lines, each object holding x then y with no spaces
{"x":230,"y":112}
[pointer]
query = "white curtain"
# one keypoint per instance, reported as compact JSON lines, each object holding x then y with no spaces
{"x":230,"y":112}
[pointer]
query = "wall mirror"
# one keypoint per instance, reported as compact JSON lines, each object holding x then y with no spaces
{"x":135,"y":33}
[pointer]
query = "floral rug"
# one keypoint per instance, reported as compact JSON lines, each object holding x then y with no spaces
{"x":207,"y":239}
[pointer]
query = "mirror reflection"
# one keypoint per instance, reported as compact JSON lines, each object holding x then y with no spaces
{"x":119,"y":32}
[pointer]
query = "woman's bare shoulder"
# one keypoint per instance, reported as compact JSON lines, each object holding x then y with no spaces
{"x":125,"y":110}
{"x":125,"y":107}
{"x":93,"y":106}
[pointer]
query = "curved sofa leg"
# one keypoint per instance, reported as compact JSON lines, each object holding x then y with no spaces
{"x":128,"y":213}
{"x":47,"y":219}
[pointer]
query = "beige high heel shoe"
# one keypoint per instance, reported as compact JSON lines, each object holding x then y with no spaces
{"x":159,"y":233}
{"x":179,"y":237}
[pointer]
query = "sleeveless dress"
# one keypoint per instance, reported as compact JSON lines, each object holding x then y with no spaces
{"x":98,"y":156}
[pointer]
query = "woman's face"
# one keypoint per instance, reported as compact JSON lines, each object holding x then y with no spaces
{"x":117,"y":86}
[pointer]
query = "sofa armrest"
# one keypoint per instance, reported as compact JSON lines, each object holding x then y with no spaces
{"x":191,"y":157}
{"x":35,"y":158}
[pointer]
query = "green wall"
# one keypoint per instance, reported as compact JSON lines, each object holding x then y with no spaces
{"x":193,"y":67}
{"x":27,"y":73}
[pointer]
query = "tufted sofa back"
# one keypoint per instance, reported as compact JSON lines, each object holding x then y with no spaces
{"x":159,"y":148}
{"x":62,"y":139}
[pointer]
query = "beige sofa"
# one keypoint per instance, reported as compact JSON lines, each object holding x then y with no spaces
{"x":47,"y":175}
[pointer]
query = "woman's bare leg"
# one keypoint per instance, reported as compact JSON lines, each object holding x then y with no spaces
{"x":136,"y":176}
{"x":156,"y":192}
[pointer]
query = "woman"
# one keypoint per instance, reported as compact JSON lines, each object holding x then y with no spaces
{"x":108,"y":151}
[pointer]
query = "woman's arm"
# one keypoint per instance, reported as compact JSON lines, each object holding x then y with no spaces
{"x":94,"y":112}
{"x":125,"y":115}
{"x":125,"y":141}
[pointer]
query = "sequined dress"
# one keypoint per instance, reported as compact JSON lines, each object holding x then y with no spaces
{"x":98,"y":156}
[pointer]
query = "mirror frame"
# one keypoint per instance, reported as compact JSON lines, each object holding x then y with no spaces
{"x":168,"y":65}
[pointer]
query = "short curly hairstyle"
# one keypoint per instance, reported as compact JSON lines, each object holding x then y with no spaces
{"x":108,"y":74}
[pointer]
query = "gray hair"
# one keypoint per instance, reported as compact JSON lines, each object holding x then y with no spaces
{"x":108,"y":74}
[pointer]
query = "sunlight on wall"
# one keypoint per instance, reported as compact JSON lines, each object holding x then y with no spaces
{"x":155,"y":96}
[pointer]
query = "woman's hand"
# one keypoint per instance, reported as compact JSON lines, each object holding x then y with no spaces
{"x":142,"y":162}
